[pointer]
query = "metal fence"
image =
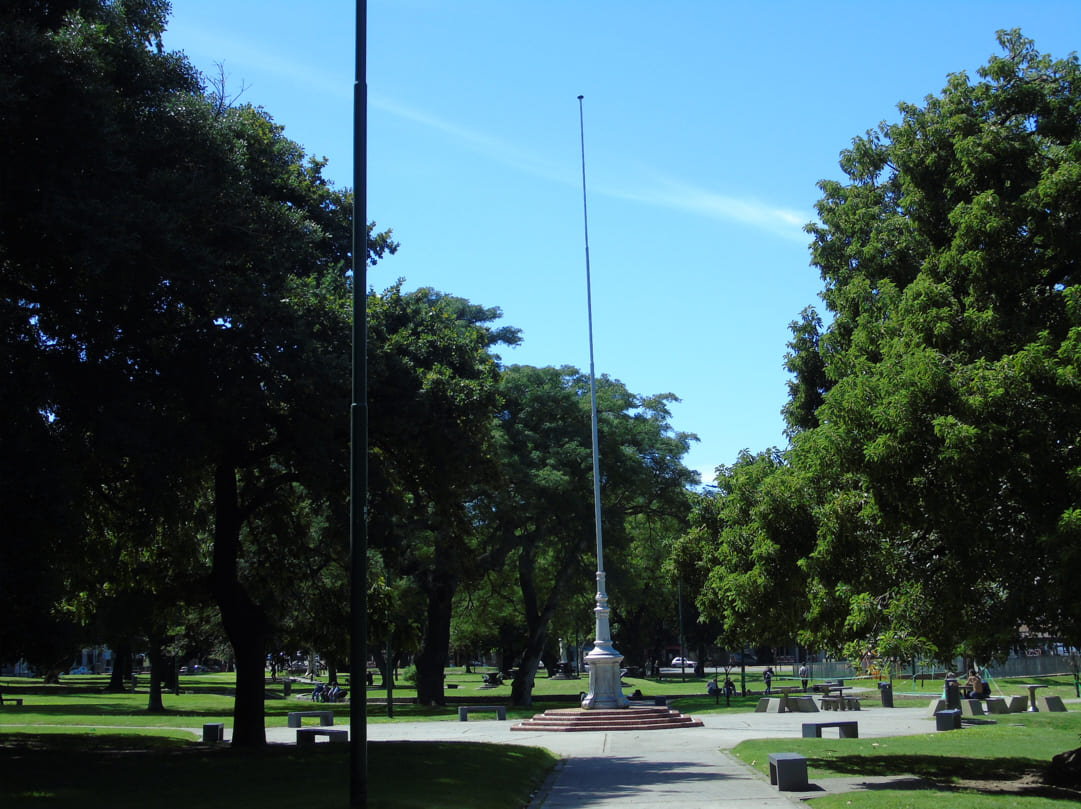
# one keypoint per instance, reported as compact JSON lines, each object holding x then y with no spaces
{"x":1039,"y":666}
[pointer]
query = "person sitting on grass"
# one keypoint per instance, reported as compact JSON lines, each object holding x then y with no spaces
{"x":713,"y":689}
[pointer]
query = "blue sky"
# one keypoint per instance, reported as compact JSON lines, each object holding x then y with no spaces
{"x":707,"y":127}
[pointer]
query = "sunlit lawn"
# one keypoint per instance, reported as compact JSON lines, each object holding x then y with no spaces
{"x":81,"y":701}
{"x":76,"y":745}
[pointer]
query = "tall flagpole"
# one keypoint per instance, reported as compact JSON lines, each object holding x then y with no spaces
{"x":358,"y":427}
{"x":605,"y":690}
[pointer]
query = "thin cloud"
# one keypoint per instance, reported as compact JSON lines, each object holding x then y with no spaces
{"x":655,"y":190}
{"x":488,"y":145}
{"x":669,"y":193}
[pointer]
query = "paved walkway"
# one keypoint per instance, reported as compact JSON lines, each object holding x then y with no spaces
{"x":690,"y":768}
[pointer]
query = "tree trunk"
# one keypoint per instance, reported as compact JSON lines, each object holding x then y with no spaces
{"x":381,"y":663}
{"x":521,"y":690}
{"x":436,"y":647}
{"x":537,"y":621}
{"x":121,"y":668}
{"x":549,"y":661}
{"x":245,"y":623}
{"x":155,"y":705}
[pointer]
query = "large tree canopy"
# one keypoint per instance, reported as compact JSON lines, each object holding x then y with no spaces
{"x":938,"y":417}
{"x":540,"y":515}
{"x":175,"y":299}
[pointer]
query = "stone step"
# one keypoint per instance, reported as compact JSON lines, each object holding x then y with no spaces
{"x":580,"y":719}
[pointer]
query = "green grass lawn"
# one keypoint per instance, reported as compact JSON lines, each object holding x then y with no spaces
{"x":121,"y":771}
{"x":75,"y":744}
{"x":966,"y":768}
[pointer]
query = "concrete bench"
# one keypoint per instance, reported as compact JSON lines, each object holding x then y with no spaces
{"x":783,"y":704}
{"x":996,"y":705}
{"x":802,"y":704}
{"x":846,"y":730}
{"x":213,"y":732}
{"x":1051,"y":703}
{"x":296,"y":718}
{"x":972,"y":707}
{"x":831,"y":703}
{"x":788,"y":771}
{"x":309,"y":735}
{"x":1018,"y":704}
{"x":10,"y":700}
{"x":464,"y":710}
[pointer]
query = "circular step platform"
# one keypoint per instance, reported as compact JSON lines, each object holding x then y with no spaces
{"x":565,"y":720}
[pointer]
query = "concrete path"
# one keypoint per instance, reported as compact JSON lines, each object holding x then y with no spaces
{"x":690,"y":768}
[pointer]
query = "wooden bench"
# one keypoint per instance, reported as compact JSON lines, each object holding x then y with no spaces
{"x":213,"y":732}
{"x":788,"y":771}
{"x":296,"y":718}
{"x":309,"y":735}
{"x":464,"y":710}
{"x":846,"y":730}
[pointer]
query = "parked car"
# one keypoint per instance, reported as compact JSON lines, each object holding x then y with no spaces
{"x":683,"y":661}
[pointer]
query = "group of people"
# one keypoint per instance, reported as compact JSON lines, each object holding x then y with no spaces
{"x":328,"y":692}
{"x":713,"y":689}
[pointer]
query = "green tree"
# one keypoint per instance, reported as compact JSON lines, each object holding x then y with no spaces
{"x":743,"y":550}
{"x":83,"y":84}
{"x":645,"y":615}
{"x":432,"y":395}
{"x":174,"y":272}
{"x":944,"y":452}
{"x":541,"y":513}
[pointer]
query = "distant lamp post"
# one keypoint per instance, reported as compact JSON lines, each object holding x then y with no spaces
{"x":682,"y":644}
{"x":605,"y":689}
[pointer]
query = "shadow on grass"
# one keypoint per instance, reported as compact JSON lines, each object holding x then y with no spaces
{"x":941,"y":770}
{"x":122,"y":771}
{"x":1013,"y":775}
{"x":101,"y":708}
